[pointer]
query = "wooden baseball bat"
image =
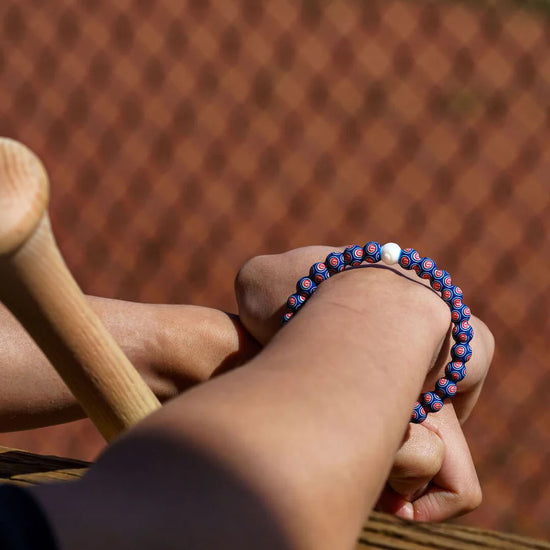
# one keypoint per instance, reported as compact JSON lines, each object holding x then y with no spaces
{"x":36,"y":285}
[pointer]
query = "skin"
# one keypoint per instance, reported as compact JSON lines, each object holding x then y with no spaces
{"x":433,"y":477}
{"x":173,"y":346}
{"x":299,"y":444}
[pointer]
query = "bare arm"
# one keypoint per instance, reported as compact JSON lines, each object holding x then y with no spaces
{"x":289,"y":451}
{"x":173,"y":347}
{"x":433,"y":477}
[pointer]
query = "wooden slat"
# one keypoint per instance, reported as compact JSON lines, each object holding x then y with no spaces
{"x":385,"y":531}
{"x":20,"y":466}
{"x":381,"y":531}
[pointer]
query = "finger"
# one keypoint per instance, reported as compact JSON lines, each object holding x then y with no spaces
{"x":261,"y":311}
{"x":455,"y":489}
{"x":417,"y":461}
{"x":393,"y":503}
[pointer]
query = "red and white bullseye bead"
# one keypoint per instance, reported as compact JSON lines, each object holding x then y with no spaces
{"x":424,"y":267}
{"x":445,"y":388}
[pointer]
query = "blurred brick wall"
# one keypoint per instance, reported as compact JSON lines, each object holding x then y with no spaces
{"x":184,"y":137}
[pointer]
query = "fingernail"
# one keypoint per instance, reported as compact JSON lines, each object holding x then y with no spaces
{"x":405,"y":511}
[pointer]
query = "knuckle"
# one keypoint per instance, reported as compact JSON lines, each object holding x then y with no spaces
{"x":249,"y":276}
{"x":246,"y":291}
{"x":420,"y":457}
{"x":471,"y":498}
{"x":249,"y":270}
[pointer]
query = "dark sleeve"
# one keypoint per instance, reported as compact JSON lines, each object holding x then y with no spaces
{"x":23,"y":525}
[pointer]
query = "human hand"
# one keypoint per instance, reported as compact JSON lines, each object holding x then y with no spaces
{"x":433,"y":477}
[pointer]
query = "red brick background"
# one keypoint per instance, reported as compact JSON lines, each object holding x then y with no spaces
{"x":184,"y":137}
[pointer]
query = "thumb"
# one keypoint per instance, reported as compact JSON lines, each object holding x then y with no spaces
{"x":455,"y":489}
{"x":417,"y":461}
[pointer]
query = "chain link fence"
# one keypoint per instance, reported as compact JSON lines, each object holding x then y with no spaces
{"x":183,"y":138}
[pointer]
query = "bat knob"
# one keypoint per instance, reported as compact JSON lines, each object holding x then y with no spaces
{"x":24,"y":194}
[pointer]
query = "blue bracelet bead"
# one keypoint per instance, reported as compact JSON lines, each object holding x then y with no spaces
{"x":431,"y":401}
{"x":461,"y":352}
{"x":447,"y":294}
{"x":287,"y":316}
{"x":373,"y":252}
{"x":451,"y":294}
{"x":427,"y":268}
{"x":335,"y":262}
{"x":445,"y":388}
{"x":353,"y":255}
{"x":295,"y":301}
{"x":461,"y":313}
{"x":455,"y":371}
{"x":456,"y":304}
{"x":319,"y":272}
{"x":419,"y":413}
{"x":462,"y":332}
{"x":440,"y":280}
{"x":409,"y":257}
{"x":416,"y":268}
{"x":306,"y":286}
{"x":447,"y":281}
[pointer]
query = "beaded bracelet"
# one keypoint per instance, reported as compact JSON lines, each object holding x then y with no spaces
{"x":408,"y":258}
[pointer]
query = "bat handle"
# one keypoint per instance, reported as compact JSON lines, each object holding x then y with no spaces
{"x":40,"y":291}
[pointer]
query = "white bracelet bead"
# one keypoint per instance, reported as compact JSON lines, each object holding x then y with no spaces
{"x":391,"y":253}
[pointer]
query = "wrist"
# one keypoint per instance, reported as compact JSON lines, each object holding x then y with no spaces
{"x":412,"y":306}
{"x":194,"y":343}
{"x":425,"y":268}
{"x":370,"y":316}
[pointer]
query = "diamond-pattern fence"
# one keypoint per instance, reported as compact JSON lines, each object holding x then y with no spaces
{"x":183,"y":138}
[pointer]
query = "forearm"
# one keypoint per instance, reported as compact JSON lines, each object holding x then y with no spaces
{"x":306,"y":431}
{"x":442,"y":484}
{"x":173,"y":347}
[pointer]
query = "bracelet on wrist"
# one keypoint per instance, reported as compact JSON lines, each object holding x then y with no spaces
{"x":408,"y":258}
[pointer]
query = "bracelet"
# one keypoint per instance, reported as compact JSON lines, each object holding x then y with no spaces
{"x":408,"y":258}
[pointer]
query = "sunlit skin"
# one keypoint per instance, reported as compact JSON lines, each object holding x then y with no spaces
{"x":300,"y":445}
{"x":173,"y":347}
